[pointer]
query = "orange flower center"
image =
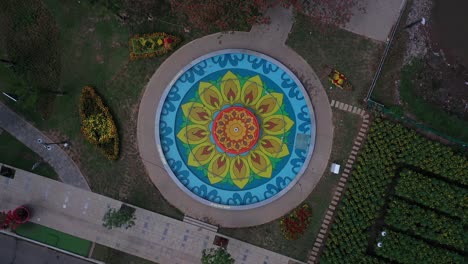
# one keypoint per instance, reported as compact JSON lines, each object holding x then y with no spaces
{"x":235,"y":130}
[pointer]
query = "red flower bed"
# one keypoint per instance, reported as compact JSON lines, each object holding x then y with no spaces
{"x":12,"y":219}
{"x":295,"y":223}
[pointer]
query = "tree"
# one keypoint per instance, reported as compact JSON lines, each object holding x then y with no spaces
{"x":124,"y":217}
{"x":216,"y":256}
{"x":219,"y":15}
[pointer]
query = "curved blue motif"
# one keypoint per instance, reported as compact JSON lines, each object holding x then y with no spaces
{"x":181,"y":174}
{"x":172,"y":96}
{"x":248,"y":198}
{"x":272,"y":189}
{"x":231,"y":59}
{"x":299,"y":161}
{"x":304,"y":116}
{"x":189,"y":76}
{"x":289,"y":83}
{"x":202,"y":191}
{"x":277,"y":79}
{"x":164,"y":132}
{"x":257,"y":62}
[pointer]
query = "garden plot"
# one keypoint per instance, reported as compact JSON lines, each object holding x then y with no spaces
{"x":405,"y":202}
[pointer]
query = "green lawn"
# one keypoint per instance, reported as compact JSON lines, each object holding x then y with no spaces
{"x":355,"y":56}
{"x":93,"y":50}
{"x":386,"y":89}
{"x":54,"y":238}
{"x":425,"y":112}
{"x":269,"y":235}
{"x":395,"y":89}
{"x":14,"y":153}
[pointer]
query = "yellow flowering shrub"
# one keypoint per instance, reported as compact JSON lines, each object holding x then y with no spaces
{"x":97,"y":124}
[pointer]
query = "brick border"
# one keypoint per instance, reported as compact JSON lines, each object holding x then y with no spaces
{"x":328,"y":219}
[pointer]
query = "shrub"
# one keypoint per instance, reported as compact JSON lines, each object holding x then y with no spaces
{"x":97,"y":124}
{"x":124,"y":217}
{"x":216,"y":256}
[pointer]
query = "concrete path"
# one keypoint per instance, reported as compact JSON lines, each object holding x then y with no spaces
{"x":22,"y":130}
{"x":377,"y":20}
{"x":277,"y":31}
{"x":18,"y":251}
{"x":154,"y":237}
{"x":266,"y":39}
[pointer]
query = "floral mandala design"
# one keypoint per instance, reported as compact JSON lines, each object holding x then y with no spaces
{"x":234,"y":130}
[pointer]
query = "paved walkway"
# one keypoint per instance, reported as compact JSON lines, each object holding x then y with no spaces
{"x":377,"y":20}
{"x":278,"y":29}
{"x":266,"y":39}
{"x":22,"y":130}
{"x":154,"y":237}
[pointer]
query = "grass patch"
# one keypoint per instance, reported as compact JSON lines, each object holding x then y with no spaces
{"x":269,"y":235}
{"x":31,"y":43}
{"x":11,"y":83}
{"x":110,"y":255}
{"x":386,"y":88}
{"x":93,"y":50}
{"x":355,"y":56}
{"x":54,"y":238}
{"x":14,"y":153}
{"x":425,"y":112}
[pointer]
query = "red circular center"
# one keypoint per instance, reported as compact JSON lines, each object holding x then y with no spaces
{"x":235,"y":130}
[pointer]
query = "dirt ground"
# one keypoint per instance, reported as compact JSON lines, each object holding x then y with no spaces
{"x":444,"y":80}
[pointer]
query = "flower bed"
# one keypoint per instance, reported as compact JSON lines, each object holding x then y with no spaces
{"x":414,"y":235}
{"x":97,"y":124}
{"x":12,"y":219}
{"x":295,"y":223}
{"x":150,"y":45}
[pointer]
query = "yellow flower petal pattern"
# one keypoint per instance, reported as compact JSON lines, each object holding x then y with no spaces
{"x":252,"y":91}
{"x":260,"y":164}
{"x":193,"y":134}
{"x":197,"y":113}
{"x":205,"y":154}
{"x":218,"y":168}
{"x":273,"y":147}
{"x":277,"y":124}
{"x":210,"y":95}
{"x":230,"y":87}
{"x":269,"y":104}
{"x":240,"y":172}
{"x":201,"y":154}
